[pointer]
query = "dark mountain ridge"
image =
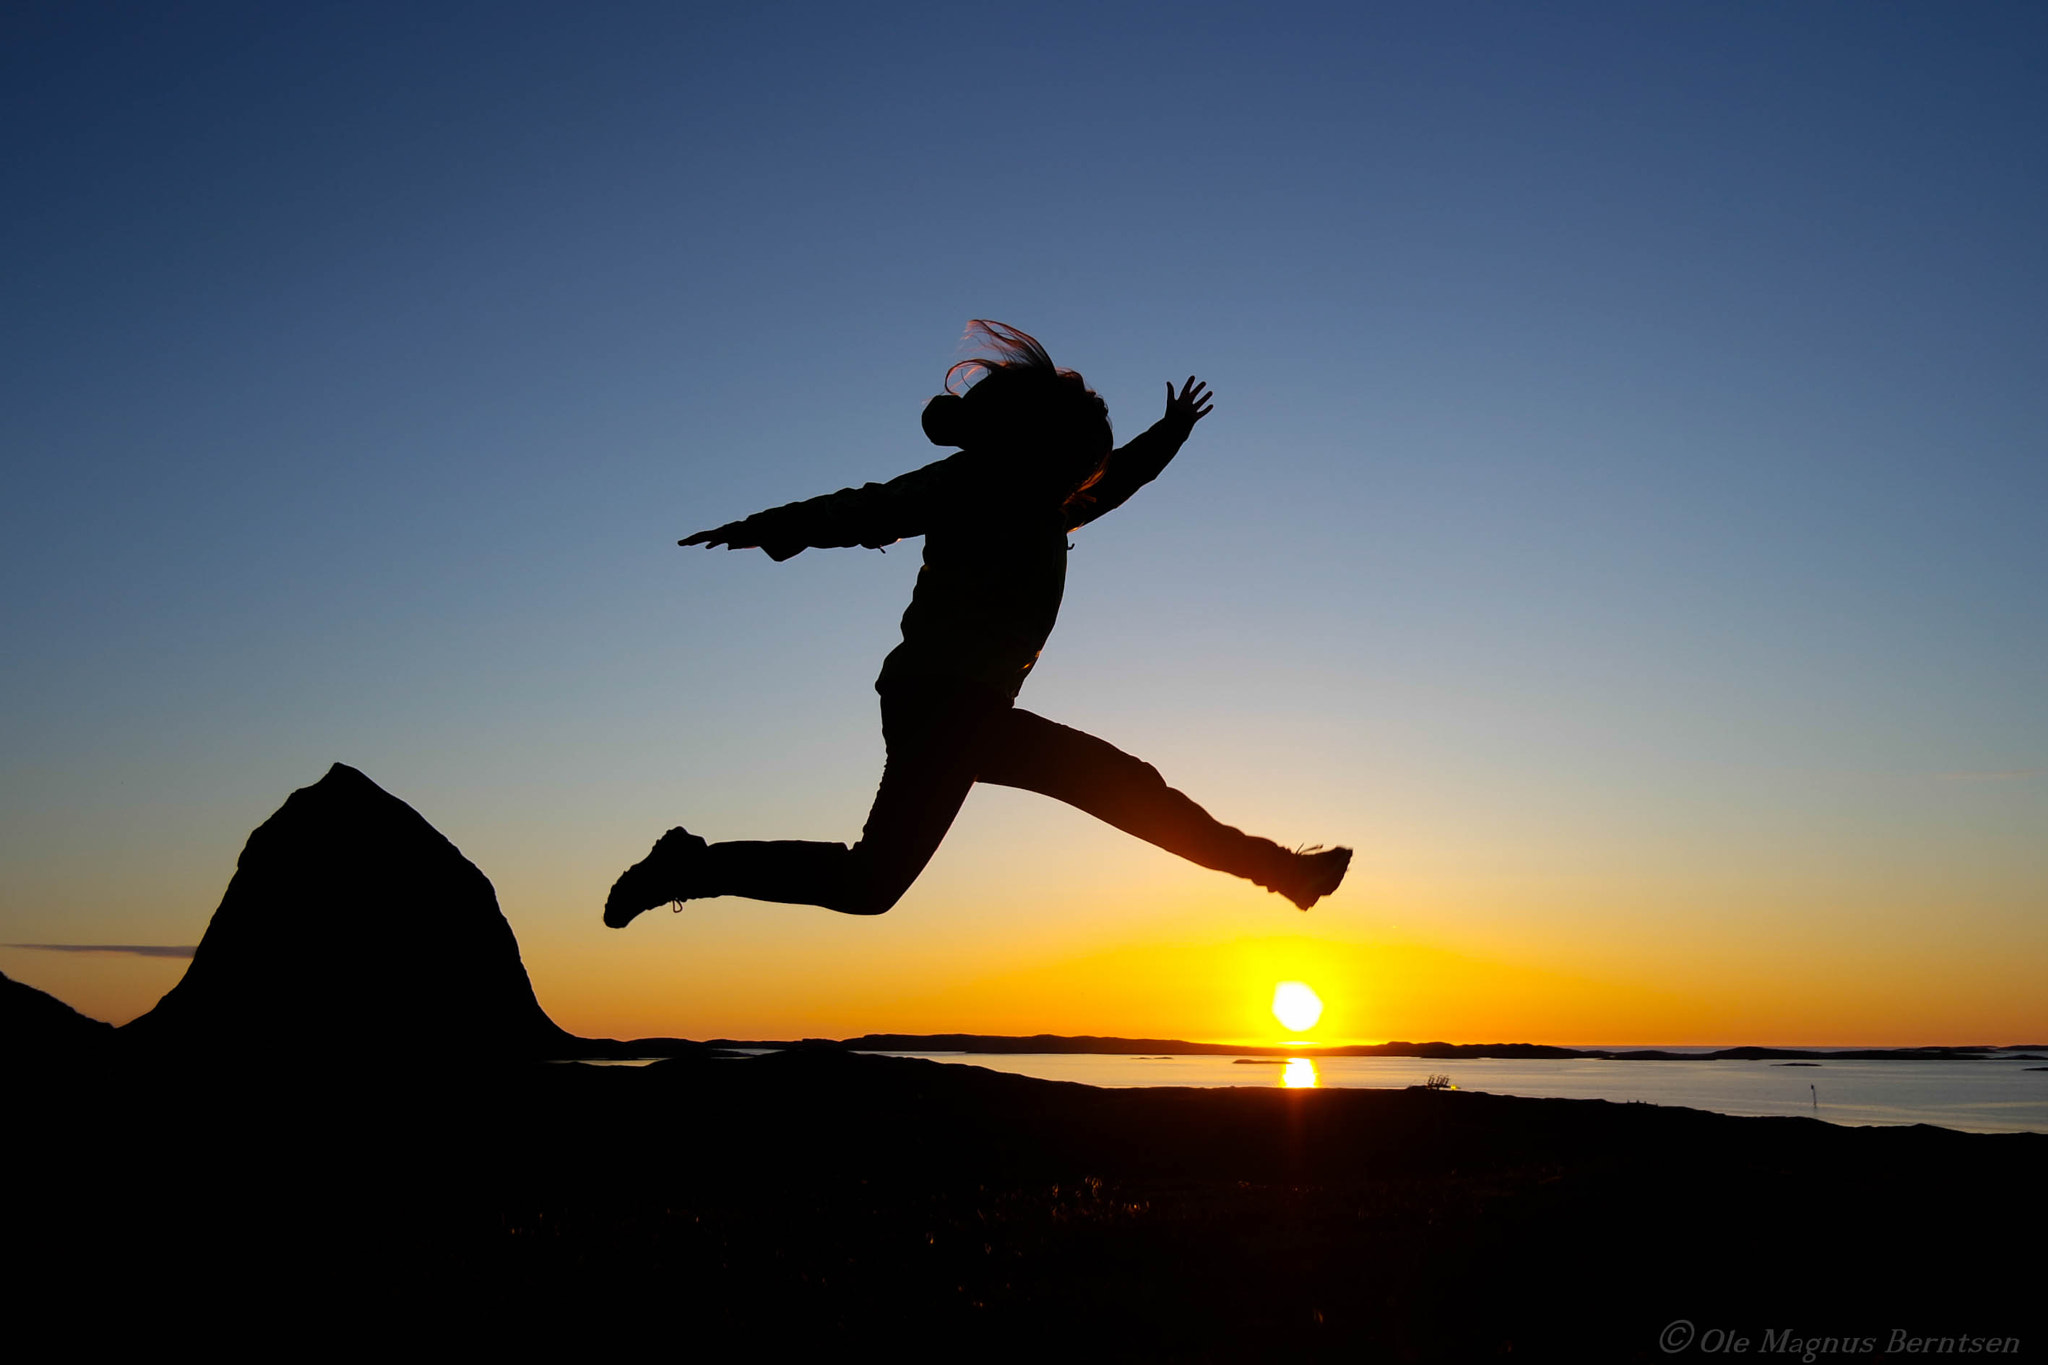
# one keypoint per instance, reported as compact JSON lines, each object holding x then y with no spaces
{"x":33,"y":1023}
{"x":352,"y":925}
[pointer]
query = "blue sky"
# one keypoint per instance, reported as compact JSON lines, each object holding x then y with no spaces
{"x":1627,"y":469}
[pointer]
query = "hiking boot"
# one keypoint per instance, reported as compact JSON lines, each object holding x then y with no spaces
{"x":664,"y":875}
{"x":1314,"y":874}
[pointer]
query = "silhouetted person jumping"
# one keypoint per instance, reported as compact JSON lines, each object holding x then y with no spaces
{"x":1035,"y":463}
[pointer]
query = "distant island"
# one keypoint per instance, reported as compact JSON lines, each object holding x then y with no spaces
{"x":995,"y":1044}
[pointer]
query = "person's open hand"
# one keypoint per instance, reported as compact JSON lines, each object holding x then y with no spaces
{"x":738,"y":535}
{"x":1190,"y":405}
{"x":728,"y":535}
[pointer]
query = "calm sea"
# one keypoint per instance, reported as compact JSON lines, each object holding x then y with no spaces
{"x":1993,"y":1096}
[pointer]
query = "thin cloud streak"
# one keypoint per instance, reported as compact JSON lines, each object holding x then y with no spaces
{"x":137,"y":949}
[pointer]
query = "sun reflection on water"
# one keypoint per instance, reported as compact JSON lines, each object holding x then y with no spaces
{"x":1300,"y":1074}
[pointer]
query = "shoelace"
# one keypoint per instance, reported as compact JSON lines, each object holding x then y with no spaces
{"x":1307,"y":851}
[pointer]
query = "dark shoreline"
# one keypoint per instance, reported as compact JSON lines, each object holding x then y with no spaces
{"x":820,"y":1196}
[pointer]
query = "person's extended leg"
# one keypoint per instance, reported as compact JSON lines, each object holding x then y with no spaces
{"x":1030,"y":752}
{"x":933,"y":737}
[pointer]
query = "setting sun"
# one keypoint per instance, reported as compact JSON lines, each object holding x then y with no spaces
{"x":1296,"y":1006}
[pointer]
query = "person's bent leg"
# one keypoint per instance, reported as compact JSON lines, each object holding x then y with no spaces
{"x":791,"y":871}
{"x":933,"y":738}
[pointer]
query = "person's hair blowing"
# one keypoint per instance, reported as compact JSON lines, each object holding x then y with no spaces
{"x":1013,"y":396}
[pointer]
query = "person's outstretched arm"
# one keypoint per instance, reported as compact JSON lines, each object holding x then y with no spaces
{"x":1133,"y":466}
{"x":873,"y":515}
